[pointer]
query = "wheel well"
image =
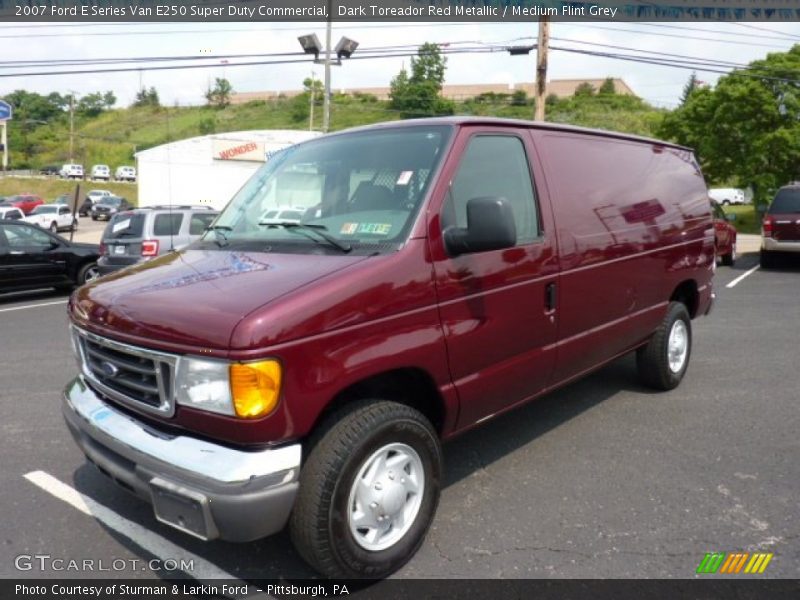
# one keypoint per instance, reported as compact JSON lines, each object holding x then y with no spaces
{"x":687,"y":293}
{"x":410,"y":386}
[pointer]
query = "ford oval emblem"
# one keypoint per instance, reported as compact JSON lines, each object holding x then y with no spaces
{"x":109,"y":369}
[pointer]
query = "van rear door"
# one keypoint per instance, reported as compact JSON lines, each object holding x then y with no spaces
{"x":498,"y":325}
{"x":785,"y":215}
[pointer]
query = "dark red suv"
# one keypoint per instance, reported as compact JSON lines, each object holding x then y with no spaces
{"x":780,"y":229}
{"x":441,"y":272}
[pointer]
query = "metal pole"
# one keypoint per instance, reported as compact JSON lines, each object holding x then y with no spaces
{"x":326,"y":104}
{"x":71,"y":124}
{"x":541,"y":66}
{"x":4,"y":141}
{"x":311,"y":105}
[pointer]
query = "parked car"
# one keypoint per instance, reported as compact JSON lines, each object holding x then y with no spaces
{"x":144,"y":233}
{"x":724,"y":235}
{"x":97,"y":195}
{"x":125,"y":174}
{"x":456,"y":268}
{"x":108,"y":207}
{"x":55,"y":217}
{"x":291,"y":215}
{"x":33,"y":258}
{"x":780,"y":229}
{"x":85,"y":208}
{"x":727,"y":196}
{"x":50,"y":170}
{"x":25,"y":202}
{"x":101,"y":172}
{"x":72,"y":171}
{"x":11,"y":213}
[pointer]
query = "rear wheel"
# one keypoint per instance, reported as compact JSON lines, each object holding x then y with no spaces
{"x":368,"y":491}
{"x":766,"y":259}
{"x":53,"y":227}
{"x":74,"y":226}
{"x":663,"y":361}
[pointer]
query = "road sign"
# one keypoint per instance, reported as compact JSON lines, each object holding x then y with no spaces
{"x":5,"y":111}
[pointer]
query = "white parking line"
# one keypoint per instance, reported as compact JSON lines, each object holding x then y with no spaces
{"x":64,"y":301}
{"x":742,"y":276}
{"x":144,"y":538}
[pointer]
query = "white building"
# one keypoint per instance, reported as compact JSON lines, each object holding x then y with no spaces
{"x":209,"y":169}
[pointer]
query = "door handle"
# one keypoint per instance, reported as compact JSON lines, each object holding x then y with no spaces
{"x":550,"y":297}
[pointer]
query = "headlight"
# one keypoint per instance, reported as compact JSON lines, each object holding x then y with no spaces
{"x":245,"y":390}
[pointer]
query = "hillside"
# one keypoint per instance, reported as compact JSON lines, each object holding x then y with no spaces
{"x":115,"y":135}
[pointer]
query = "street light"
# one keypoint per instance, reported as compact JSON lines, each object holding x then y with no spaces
{"x":344,"y":49}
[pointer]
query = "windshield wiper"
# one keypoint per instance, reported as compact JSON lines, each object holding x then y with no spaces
{"x":318,"y":230}
{"x":219,"y":233}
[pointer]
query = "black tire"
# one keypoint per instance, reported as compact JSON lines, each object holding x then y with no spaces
{"x":86,"y":273}
{"x":653,"y":360}
{"x":726,"y":203}
{"x":320,"y":522}
{"x":53,"y":227}
{"x":74,"y":226}
{"x":94,"y":218}
{"x":730,"y":258}
{"x":766,"y":259}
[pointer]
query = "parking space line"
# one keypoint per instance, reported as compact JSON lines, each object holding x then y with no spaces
{"x":144,"y":538}
{"x":64,"y":301}
{"x":742,"y":276}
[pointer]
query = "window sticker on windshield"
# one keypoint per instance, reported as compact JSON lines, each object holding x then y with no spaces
{"x":121,"y":225}
{"x":348,"y":228}
{"x":404,"y":178}
{"x":376,"y":228}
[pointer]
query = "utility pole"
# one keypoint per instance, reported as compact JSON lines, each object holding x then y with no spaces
{"x":541,"y":66}
{"x":326,"y":101}
{"x":311,"y":105}
{"x":71,"y":123}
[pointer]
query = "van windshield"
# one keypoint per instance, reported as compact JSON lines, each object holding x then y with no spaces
{"x":362,"y":189}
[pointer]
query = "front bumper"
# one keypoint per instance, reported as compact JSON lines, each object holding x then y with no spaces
{"x":204,"y":489}
{"x":773,"y":245}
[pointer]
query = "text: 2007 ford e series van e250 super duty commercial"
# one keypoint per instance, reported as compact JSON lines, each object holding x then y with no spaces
{"x":305,"y":372}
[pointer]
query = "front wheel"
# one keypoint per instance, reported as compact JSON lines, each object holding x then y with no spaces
{"x":663,"y":361}
{"x":368,"y":491}
{"x":53,"y":227}
{"x":729,"y":258}
{"x":87,"y":273}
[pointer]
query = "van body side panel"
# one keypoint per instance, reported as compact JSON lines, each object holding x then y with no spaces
{"x":500,"y":338}
{"x":632,"y":223}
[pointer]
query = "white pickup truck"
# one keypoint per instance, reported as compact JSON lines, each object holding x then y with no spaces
{"x":55,"y":217}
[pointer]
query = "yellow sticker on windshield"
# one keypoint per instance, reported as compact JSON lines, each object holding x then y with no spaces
{"x":375,"y":228}
{"x":348,"y":228}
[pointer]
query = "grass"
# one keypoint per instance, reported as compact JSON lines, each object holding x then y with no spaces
{"x":747,"y":219}
{"x":50,"y":188}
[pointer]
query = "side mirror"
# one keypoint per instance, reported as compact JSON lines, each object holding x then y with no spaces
{"x":490,"y":226}
{"x":731,"y":218}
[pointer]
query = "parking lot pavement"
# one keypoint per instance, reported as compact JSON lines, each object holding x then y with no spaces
{"x":602,"y":478}
{"x":89,"y":231}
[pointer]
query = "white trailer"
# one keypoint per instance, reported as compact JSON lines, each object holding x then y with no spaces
{"x":209,"y":169}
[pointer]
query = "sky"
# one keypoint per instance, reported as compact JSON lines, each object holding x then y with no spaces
{"x":659,"y":85}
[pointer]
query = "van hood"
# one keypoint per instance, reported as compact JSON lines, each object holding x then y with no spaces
{"x":192,"y":300}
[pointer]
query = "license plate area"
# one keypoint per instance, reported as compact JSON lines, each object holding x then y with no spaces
{"x":119,"y":250}
{"x":183,"y":509}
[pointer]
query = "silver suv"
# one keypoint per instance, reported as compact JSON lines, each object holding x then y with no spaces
{"x":141,"y":234}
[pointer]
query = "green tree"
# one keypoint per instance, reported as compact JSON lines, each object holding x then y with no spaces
{"x":313,"y":86}
{"x":747,"y":129}
{"x":220,"y":95}
{"x":145,"y":97}
{"x":93,"y":104}
{"x":689,"y":88}
{"x":608,"y":88}
{"x":418,"y":94}
{"x":584,"y":89}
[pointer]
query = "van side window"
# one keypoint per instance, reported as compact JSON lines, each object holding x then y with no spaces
{"x":495,"y":165}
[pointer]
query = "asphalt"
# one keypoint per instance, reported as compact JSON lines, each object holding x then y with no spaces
{"x":602,"y":479}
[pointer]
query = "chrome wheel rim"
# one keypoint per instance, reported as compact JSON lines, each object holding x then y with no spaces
{"x":91,"y":275}
{"x":677,"y":346}
{"x":385,"y":497}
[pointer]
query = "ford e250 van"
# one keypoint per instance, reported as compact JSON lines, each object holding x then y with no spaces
{"x":305,"y":372}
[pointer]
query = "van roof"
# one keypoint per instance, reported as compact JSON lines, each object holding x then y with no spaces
{"x":468,"y":120}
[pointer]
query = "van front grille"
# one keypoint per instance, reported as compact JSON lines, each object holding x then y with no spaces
{"x":133,"y":375}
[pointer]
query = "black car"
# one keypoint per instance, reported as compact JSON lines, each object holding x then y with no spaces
{"x":32,"y":258}
{"x":108,"y":207}
{"x":50,"y":170}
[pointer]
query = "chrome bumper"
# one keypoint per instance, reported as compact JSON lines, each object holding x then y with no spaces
{"x":204,"y":489}
{"x":773,"y":245}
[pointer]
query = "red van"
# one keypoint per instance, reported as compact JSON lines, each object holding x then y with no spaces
{"x":443,"y":271}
